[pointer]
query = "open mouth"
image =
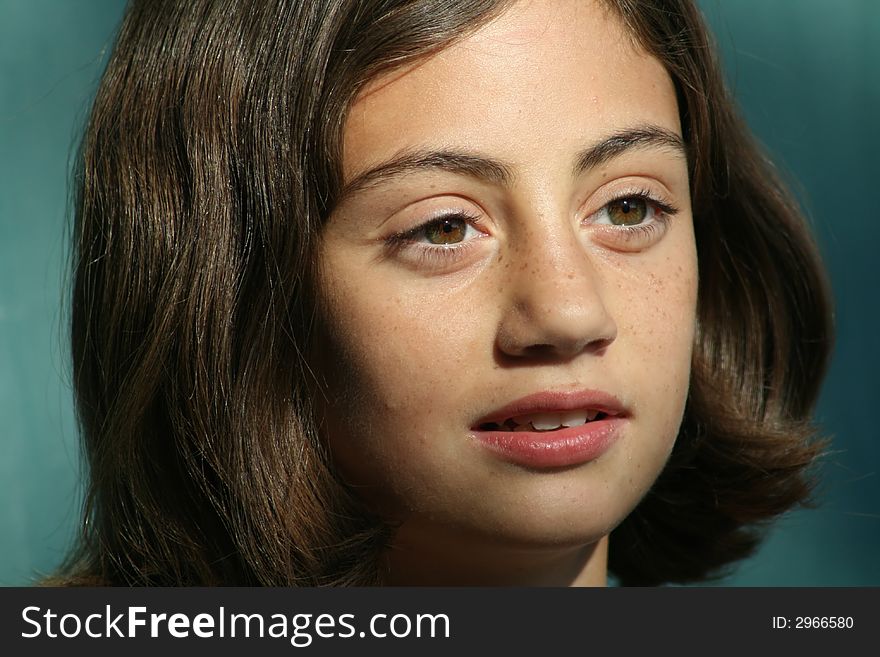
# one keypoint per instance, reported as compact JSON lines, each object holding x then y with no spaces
{"x":545,"y":421}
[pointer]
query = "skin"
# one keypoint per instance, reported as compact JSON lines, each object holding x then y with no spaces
{"x":539,"y":294}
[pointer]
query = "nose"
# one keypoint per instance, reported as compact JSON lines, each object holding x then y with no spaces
{"x":555,"y":304}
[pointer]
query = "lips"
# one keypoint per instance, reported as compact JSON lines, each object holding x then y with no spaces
{"x":553,"y":429}
{"x":555,"y":402}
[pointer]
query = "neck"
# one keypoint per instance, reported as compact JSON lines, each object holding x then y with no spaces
{"x":422,"y":560}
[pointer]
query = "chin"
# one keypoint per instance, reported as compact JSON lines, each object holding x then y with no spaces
{"x":557,"y":511}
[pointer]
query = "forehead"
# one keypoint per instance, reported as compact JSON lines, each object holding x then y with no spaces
{"x":541,"y":76}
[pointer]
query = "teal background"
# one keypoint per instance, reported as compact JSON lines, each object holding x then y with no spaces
{"x":807,"y":74}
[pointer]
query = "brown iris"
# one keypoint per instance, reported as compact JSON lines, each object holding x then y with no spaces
{"x":446,"y":231}
{"x":628,"y":211}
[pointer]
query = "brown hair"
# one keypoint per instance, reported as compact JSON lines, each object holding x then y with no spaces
{"x":209,"y":165}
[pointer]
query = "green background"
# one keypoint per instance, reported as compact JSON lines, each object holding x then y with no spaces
{"x":807,"y":74}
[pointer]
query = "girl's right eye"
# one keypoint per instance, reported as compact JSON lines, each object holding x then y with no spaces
{"x":446,"y":231}
{"x":437,"y":243}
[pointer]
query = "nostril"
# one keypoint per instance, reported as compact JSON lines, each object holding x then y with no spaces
{"x":530,"y":330}
{"x":567,"y":348}
{"x":599,"y":346}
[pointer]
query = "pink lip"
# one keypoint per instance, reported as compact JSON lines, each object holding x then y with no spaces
{"x":560,"y":448}
{"x":549,"y":402}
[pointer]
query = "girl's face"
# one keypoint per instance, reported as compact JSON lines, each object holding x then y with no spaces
{"x":513,"y":252}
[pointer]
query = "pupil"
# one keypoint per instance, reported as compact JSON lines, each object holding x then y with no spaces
{"x":628,"y":211}
{"x":446,"y":231}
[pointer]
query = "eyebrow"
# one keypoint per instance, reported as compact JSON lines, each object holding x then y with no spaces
{"x":500,"y":173}
{"x":642,"y":137}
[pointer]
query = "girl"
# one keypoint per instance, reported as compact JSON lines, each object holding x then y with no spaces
{"x":433,"y":292}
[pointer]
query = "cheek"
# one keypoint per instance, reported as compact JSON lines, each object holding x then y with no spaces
{"x":657,"y":345}
{"x":390,"y":362}
{"x":661,"y":319}
{"x":385,"y":345}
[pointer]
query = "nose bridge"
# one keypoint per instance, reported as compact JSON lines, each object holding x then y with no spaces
{"x":554,"y":247}
{"x":556,"y":270}
{"x":556,"y":302}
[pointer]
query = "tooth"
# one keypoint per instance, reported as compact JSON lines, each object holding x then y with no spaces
{"x":574,"y":418}
{"x":546,"y":421}
{"x":591,"y":415}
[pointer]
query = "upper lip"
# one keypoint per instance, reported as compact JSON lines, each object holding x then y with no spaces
{"x":556,"y":401}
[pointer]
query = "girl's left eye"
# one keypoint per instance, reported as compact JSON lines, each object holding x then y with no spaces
{"x":627,"y":211}
{"x":632,"y":210}
{"x":632,"y":222}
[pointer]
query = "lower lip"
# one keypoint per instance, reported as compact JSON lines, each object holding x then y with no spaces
{"x":554,"y":449}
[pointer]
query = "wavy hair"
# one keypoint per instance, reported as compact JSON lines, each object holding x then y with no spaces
{"x":210,"y":162}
